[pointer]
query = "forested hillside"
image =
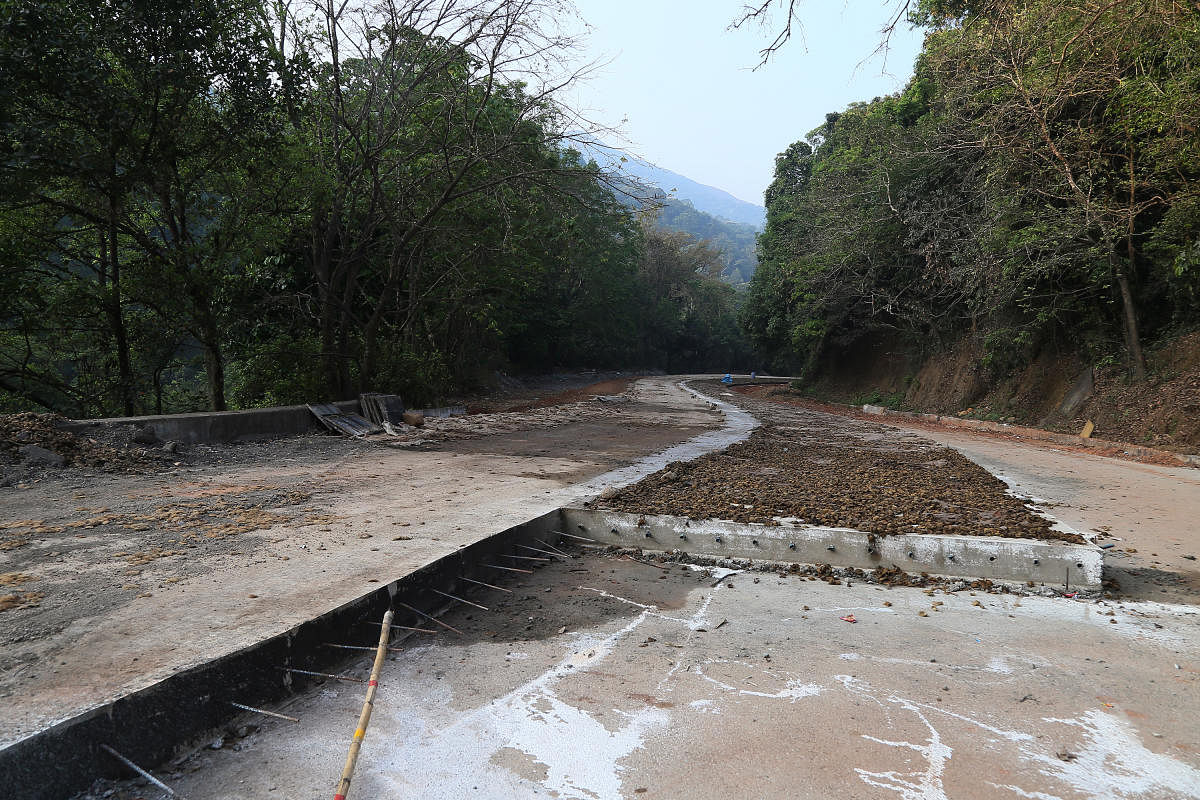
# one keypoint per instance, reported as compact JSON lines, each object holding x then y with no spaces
{"x":735,"y":240}
{"x":706,"y":199}
{"x":224,"y":204}
{"x":1035,"y":188}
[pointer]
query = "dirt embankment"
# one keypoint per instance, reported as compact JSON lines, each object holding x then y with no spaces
{"x":1056,"y":391}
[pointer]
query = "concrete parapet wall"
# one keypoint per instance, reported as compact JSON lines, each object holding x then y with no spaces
{"x":993,"y":557}
{"x":220,"y":426}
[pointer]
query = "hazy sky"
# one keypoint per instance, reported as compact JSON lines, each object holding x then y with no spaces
{"x":692,"y":104}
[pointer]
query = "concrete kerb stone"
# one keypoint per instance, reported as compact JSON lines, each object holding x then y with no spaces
{"x":995,"y":558}
{"x":1036,"y":433}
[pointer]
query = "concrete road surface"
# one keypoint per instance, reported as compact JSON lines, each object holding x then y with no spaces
{"x":664,"y":685}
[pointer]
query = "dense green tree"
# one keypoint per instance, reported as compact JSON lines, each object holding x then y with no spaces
{"x":129,"y":129}
{"x":208,"y":204}
{"x":1036,"y":181}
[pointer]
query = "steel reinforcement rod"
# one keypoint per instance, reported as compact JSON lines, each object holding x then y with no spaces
{"x":170,"y":792}
{"x":368,"y":704}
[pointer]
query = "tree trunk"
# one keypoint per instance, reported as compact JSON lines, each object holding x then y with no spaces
{"x":322,"y":257}
{"x":1133,"y":342}
{"x":115,"y":314}
{"x":214,"y":367}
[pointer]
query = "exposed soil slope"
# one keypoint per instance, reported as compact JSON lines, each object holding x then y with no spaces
{"x":1162,"y":411}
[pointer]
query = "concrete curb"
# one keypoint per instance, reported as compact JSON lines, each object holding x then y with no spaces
{"x":992,"y":557}
{"x":1039,"y":434}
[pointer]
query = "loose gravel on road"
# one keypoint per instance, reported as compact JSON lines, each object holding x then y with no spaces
{"x":825,"y":470}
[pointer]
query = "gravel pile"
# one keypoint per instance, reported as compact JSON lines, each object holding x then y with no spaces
{"x":37,"y":440}
{"x":858,"y":479}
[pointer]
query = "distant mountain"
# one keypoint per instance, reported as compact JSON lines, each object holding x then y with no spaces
{"x":708,"y":199}
{"x":736,"y":241}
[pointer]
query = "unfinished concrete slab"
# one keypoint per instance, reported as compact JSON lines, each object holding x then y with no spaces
{"x":361,"y":489}
{"x":601,"y":678}
{"x":298,"y":528}
{"x":1044,"y":562}
{"x":151,"y":724}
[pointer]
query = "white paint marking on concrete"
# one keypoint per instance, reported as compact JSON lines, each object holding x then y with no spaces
{"x":923,"y":785}
{"x":1114,"y":763}
{"x":695,"y":622}
{"x":1017,"y":790}
{"x":999,"y":666}
{"x":604,"y":593}
{"x":579,"y":753}
{"x":794,"y":689}
{"x":880,"y":609}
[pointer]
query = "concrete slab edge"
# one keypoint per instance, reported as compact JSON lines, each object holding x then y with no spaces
{"x":155,"y":724}
{"x":996,"y":558}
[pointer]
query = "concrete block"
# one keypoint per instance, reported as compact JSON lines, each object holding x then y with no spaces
{"x":219,"y":426}
{"x":993,"y":557}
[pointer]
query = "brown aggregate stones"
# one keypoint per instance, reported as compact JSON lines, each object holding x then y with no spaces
{"x":820,"y":470}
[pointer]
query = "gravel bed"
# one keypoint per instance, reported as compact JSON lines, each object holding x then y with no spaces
{"x":824,"y":470}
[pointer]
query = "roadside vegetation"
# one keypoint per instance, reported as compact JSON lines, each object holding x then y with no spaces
{"x":206,"y":205}
{"x":1034,"y":190}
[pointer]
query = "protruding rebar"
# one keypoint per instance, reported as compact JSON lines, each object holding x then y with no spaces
{"x":401,"y":627}
{"x":432,"y":619}
{"x":323,"y":675}
{"x":509,"y":569}
{"x":141,"y":772}
{"x":361,"y":647}
{"x":540,"y":550}
{"x":552,"y":547}
{"x":573,"y":536}
{"x":526,"y":558}
{"x":481,"y":583}
{"x":264,"y":711}
{"x":459,"y":599}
